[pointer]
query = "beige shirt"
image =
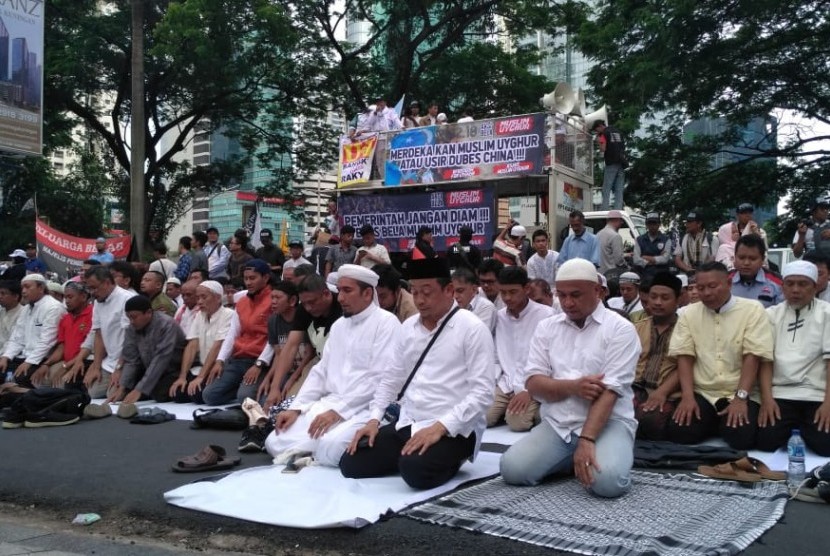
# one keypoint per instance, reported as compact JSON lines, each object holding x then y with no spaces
{"x":718,"y":342}
{"x":210,"y":330}
{"x":7,"y":320}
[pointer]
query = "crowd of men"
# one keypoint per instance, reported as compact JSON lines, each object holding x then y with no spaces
{"x":344,"y":363}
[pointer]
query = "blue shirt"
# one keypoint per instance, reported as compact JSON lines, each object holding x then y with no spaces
{"x":585,"y":246}
{"x":103,"y":258}
{"x":764,"y":288}
{"x":35,"y":265}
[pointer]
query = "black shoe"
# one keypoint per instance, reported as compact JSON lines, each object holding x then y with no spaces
{"x":821,"y":473}
{"x":49,"y":419}
{"x":13,"y":420}
{"x":253,"y":439}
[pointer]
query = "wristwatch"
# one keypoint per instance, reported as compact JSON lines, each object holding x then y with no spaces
{"x":742,"y":395}
{"x":261,"y":365}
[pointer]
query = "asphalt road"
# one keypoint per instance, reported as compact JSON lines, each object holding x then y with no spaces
{"x":120,"y":471}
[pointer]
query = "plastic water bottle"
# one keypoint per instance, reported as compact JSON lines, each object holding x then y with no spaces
{"x":795,"y":454}
{"x":9,"y":376}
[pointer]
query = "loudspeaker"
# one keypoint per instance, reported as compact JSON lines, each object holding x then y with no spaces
{"x":580,"y":107}
{"x":601,"y":114}
{"x":562,"y":99}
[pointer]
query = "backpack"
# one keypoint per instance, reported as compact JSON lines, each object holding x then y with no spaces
{"x":58,"y":400}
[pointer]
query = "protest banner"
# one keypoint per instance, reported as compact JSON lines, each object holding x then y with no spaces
{"x":21,"y":76}
{"x":570,"y":196}
{"x":63,"y":253}
{"x":397,"y":217}
{"x":356,"y":159}
{"x":479,"y":150}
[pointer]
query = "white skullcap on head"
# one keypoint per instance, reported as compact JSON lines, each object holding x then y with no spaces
{"x":577,"y":269}
{"x":518,"y":231}
{"x":800,"y":268}
{"x":54,"y":287}
{"x":34,"y":277}
{"x":629,"y":278}
{"x":603,"y":281}
{"x":359,"y":273}
{"x":213,"y":286}
{"x":684,"y":280}
{"x":174,"y":280}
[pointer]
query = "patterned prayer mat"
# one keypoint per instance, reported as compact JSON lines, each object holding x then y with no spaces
{"x":661,"y":515}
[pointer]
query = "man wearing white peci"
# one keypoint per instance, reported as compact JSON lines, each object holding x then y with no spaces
{"x":333,"y":402}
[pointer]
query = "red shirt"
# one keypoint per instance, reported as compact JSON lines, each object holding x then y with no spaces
{"x":72,"y":331}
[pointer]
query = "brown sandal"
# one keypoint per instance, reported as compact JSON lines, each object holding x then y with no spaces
{"x":729,"y":472}
{"x":209,"y":458}
{"x":754,"y":465}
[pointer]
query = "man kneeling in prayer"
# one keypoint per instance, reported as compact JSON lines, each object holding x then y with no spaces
{"x":333,"y":402}
{"x":442,"y":374}
{"x":580,"y":366}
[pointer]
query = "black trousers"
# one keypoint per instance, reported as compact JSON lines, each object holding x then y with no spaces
{"x":711,"y":424}
{"x":438,"y":465}
{"x":651,"y":425}
{"x":794,"y":415}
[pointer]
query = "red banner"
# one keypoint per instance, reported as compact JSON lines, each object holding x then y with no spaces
{"x":64,"y":253}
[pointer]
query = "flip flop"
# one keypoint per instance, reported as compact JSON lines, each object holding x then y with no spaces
{"x":209,"y":458}
{"x":729,"y":472}
{"x":754,"y":465}
{"x":152,"y":416}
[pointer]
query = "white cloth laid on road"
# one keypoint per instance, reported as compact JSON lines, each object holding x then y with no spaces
{"x":317,"y":497}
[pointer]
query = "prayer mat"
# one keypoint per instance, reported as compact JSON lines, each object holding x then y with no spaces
{"x":661,"y":515}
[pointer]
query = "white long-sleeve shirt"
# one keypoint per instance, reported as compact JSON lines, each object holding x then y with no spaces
{"x":513,"y":342}
{"x":386,"y":120}
{"x":109,"y":317}
{"x":36,"y":331}
{"x":217,"y":256}
{"x":358,"y":352}
{"x":543,"y":268}
{"x":607,"y":344}
{"x":484,"y":309}
{"x":454,"y":384}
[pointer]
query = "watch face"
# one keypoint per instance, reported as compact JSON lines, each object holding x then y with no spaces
{"x":742,"y":394}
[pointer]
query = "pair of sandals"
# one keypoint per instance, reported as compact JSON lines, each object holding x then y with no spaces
{"x":744,"y":470}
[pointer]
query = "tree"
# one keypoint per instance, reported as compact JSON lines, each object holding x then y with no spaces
{"x":739,"y":60}
{"x":241,"y":67}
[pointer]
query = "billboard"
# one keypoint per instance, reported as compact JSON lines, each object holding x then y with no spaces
{"x":63,"y":253}
{"x":21,"y":76}
{"x":478,"y":150}
{"x":396,"y":218}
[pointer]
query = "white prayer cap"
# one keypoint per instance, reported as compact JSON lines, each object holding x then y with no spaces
{"x":213,"y":286}
{"x":174,"y":280}
{"x":603,"y":281}
{"x":629,"y":278}
{"x":34,"y":277}
{"x":331,"y":281}
{"x":577,"y":269}
{"x":518,"y":231}
{"x":54,"y":287}
{"x":359,"y":273}
{"x":800,"y":268}
{"x":684,"y":280}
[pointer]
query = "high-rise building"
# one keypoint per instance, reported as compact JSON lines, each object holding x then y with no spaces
{"x":20,"y":61}
{"x":4,"y":51}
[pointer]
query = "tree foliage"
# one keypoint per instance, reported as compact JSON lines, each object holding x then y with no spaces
{"x":239,"y":65}
{"x":678,"y":60}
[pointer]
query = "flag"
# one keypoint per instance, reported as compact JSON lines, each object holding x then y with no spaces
{"x":284,"y":237}
{"x":254,"y":226}
{"x":399,"y":107}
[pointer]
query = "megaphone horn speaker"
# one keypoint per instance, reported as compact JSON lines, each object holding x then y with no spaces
{"x":580,"y":107}
{"x":562,"y":99}
{"x":601,"y":114}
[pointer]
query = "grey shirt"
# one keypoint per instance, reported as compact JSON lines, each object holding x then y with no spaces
{"x":338,"y":256}
{"x":198,"y":260}
{"x":152,"y":352}
{"x":610,"y":249}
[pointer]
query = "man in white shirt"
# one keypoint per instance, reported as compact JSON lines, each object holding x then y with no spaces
{"x":210,"y":326}
{"x":295,"y":256}
{"x":610,"y":243}
{"x":333,"y":402}
{"x":794,"y":388}
{"x":9,"y":309}
{"x":629,"y":300}
{"x":488,"y":277}
{"x":217,"y":255}
{"x":443,"y":407}
{"x":379,"y":120}
{"x":465,"y":291}
{"x":109,"y":321}
{"x":162,"y":264}
{"x":542,"y":264}
{"x":588,"y":423}
{"x":697,"y":246}
{"x":515,"y":325}
{"x":188,"y":307}
{"x":371,"y":252}
{"x":35,"y":333}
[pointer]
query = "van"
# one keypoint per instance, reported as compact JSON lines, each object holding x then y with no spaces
{"x":777,"y":257}
{"x":634,"y":225}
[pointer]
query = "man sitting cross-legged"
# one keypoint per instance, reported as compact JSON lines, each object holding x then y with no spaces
{"x":581,"y":365}
{"x":333,"y":402}
{"x":719,"y":344}
{"x":515,"y":325}
{"x":794,"y":389}
{"x":443,"y":408}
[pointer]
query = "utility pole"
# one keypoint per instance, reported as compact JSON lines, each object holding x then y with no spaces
{"x":137,"y":135}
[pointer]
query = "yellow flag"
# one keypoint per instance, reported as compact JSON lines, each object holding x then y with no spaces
{"x":284,"y":237}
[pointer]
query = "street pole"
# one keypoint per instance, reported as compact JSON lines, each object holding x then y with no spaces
{"x":137,"y":136}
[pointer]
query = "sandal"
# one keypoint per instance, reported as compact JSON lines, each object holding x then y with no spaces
{"x":209,"y":458}
{"x":754,"y":465}
{"x":729,"y":472}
